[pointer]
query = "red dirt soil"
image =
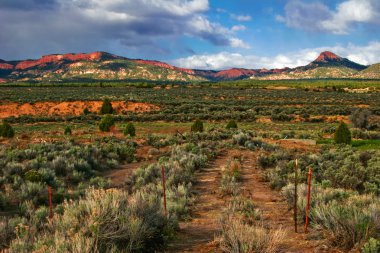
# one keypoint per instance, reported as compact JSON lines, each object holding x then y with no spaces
{"x":68,"y":108}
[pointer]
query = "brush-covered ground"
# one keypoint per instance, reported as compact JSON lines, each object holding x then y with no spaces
{"x":227,"y":190}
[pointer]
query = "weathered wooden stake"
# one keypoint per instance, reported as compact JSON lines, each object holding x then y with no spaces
{"x":295,"y":196}
{"x":163,"y":188}
{"x":308,"y":200}
{"x":50,"y":202}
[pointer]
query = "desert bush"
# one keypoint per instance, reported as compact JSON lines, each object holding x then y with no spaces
{"x":267,"y":161}
{"x":238,"y":237}
{"x":348,"y":225}
{"x":130,"y":130}
{"x":346,"y":218}
{"x":197,"y":126}
{"x":106,"y":107}
{"x":359,"y":118}
{"x":244,"y":209}
{"x":33,"y":176}
{"x":372,"y":246}
{"x":106,"y":123}
{"x":231,"y":175}
{"x":281,"y":117}
{"x":6,"y":130}
{"x":231,"y":125}
{"x":104,"y":221}
{"x":342,"y":134}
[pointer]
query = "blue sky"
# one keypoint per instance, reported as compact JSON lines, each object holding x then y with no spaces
{"x":207,"y":34}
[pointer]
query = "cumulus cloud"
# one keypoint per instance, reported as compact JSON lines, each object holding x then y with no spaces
{"x":47,"y":26}
{"x":365,"y":55}
{"x":315,"y":16}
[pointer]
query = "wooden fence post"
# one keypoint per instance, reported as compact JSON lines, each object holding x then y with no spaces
{"x":164,"y":188}
{"x":308,"y":200}
{"x":295,"y":195}
{"x":50,"y":202}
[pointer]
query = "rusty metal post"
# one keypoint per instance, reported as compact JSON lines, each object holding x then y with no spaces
{"x":163,"y":188}
{"x":295,"y":195}
{"x":308,"y":200}
{"x":50,"y":202}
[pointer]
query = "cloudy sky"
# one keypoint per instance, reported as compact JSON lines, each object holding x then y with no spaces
{"x":206,"y":34}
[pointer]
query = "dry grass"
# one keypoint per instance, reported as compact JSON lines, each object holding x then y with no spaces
{"x":238,"y":237}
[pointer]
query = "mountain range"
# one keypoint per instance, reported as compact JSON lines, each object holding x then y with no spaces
{"x":105,"y":66}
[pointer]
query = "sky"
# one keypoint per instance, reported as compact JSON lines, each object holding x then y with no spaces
{"x":201,"y":34}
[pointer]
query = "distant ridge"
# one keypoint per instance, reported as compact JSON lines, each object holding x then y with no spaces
{"x":105,"y":66}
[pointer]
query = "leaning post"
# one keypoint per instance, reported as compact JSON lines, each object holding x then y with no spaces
{"x":164,"y":188}
{"x":308,"y":200}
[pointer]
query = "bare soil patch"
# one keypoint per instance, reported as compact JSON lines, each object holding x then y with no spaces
{"x":74,"y":108}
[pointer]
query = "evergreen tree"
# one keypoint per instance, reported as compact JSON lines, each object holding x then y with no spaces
{"x":231,"y":125}
{"x":106,"y":123}
{"x":86,"y":111}
{"x":197,"y":126}
{"x":67,"y":130}
{"x":342,"y":134}
{"x":106,"y":107}
{"x":6,"y":130}
{"x":130,"y":129}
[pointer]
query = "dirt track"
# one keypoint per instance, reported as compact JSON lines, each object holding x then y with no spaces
{"x":198,"y":234}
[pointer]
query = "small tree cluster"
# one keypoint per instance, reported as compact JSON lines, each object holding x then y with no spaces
{"x":130,"y":129}
{"x":106,"y":123}
{"x":6,"y":130}
{"x":197,"y":126}
{"x":106,"y":107}
{"x":342,"y":134}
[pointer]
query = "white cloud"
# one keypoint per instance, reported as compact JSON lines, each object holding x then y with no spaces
{"x":241,"y":18}
{"x":365,"y":55}
{"x":236,"y":28}
{"x":316,"y":16}
{"x":234,"y":42}
{"x":349,"y":12}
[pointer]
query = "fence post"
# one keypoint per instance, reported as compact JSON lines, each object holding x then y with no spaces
{"x":50,"y":202}
{"x":308,"y":200}
{"x":164,"y":188}
{"x":295,"y":195}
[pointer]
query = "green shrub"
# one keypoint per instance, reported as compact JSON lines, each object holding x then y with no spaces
{"x":106,"y":107}
{"x":342,"y":134}
{"x":197,"y":126}
{"x":106,"y":123}
{"x":231,"y":125}
{"x":33,"y":176}
{"x":6,"y":130}
{"x":372,"y":246}
{"x":130,"y":129}
{"x":67,"y":130}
